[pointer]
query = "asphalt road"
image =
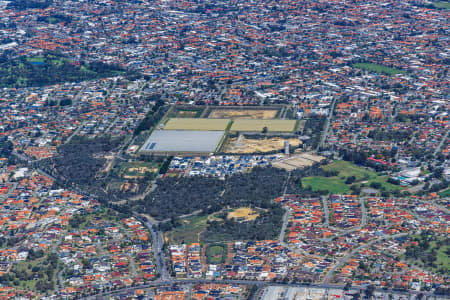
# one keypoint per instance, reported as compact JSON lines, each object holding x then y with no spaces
{"x":259,"y":284}
{"x":157,"y":246}
{"x":356,"y":250}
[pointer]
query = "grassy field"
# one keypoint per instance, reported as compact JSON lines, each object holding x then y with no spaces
{"x":196,"y":124}
{"x":189,"y":231}
{"x":333,"y":184}
{"x":216,"y":254}
{"x":442,"y":262}
{"x":336,"y":184}
{"x":445,"y":193}
{"x":442,"y":4}
{"x":347,"y":169}
{"x":258,"y":125}
{"x":378,"y":68}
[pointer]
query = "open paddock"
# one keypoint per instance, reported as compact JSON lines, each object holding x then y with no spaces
{"x":246,"y":145}
{"x":196,"y":124}
{"x":298,"y":161}
{"x":249,"y":125}
{"x":247,"y":113}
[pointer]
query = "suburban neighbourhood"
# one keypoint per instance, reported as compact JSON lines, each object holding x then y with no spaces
{"x":224,"y":149}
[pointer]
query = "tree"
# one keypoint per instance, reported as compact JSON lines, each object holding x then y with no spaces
{"x":369,"y":291}
{"x":265,"y":129}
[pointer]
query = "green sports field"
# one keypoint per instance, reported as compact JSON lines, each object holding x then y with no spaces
{"x":378,"y":68}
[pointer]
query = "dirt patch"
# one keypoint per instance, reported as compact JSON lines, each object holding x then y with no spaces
{"x":243,"y":214}
{"x":248,"y":145}
{"x":187,"y":114}
{"x":243,"y":113}
{"x":136,"y":172}
{"x":129,"y":187}
{"x":259,"y":125}
{"x":298,"y":161}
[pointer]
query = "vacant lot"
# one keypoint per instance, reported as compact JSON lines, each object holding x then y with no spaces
{"x":243,"y":113}
{"x":133,"y":170}
{"x":258,"y":125}
{"x":196,"y":124}
{"x":243,"y":213}
{"x":249,"y":145}
{"x":298,"y":161}
{"x":378,"y":68}
{"x":188,"y":113}
{"x":441,"y":4}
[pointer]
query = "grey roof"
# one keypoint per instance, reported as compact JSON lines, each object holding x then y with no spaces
{"x":182,"y":141}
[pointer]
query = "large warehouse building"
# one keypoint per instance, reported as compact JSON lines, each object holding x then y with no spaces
{"x":179,"y":142}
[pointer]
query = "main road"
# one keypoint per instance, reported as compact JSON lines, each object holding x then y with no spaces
{"x":259,"y":284}
{"x":158,"y":244}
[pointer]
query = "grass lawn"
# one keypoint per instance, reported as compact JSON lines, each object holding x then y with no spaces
{"x":445,"y":193}
{"x":442,"y":4}
{"x":386,"y":185}
{"x":378,"y":68}
{"x":36,"y":59}
{"x":347,"y":169}
{"x":215,"y":254}
{"x":442,"y":261}
{"x":189,"y":231}
{"x":337,"y":185}
{"x":334,"y":184}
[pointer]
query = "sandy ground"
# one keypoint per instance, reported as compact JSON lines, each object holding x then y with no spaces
{"x":297,"y":161}
{"x":248,"y":145}
{"x":242,"y":114}
{"x":258,"y":125}
{"x":196,"y":124}
{"x":243,"y":212}
{"x":186,"y":114}
{"x":139,"y":170}
{"x":129,"y":187}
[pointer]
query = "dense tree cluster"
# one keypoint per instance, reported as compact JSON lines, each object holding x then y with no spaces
{"x":355,"y":156}
{"x":22,"y":72}
{"x":178,"y":196}
{"x":266,"y":226}
{"x":26,"y":4}
{"x":313,"y":128}
{"x":77,"y":162}
{"x":390,"y":135}
{"x":6,"y":147}
{"x":43,"y":273}
{"x":55,"y":18}
{"x":174,"y":197}
{"x":424,"y":252}
{"x":152,"y":117}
